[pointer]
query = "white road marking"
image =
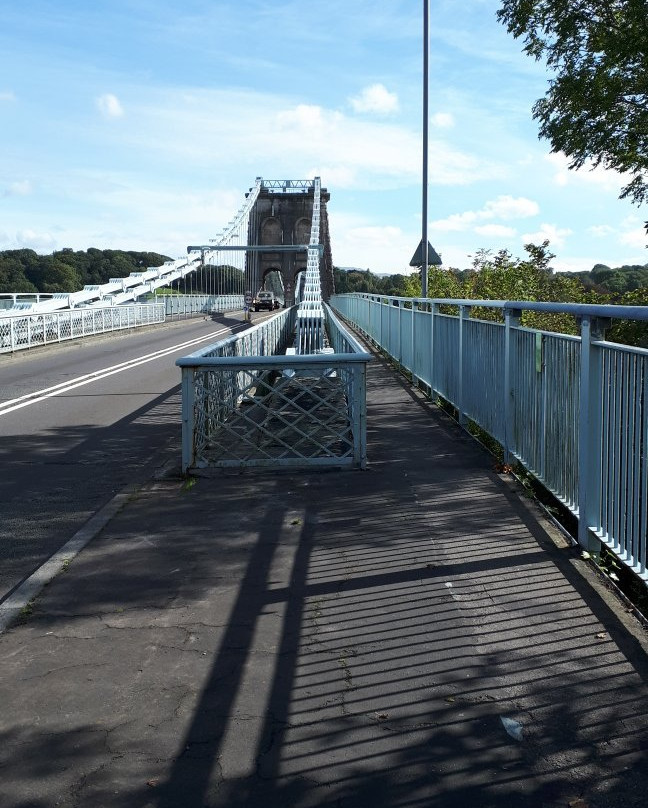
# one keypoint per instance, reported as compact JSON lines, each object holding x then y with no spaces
{"x":48,"y":392}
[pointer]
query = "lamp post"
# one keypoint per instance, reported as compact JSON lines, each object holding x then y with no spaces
{"x":424,"y":206}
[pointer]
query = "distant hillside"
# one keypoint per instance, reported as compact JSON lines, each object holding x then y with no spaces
{"x":617,"y":281}
{"x":67,"y":270}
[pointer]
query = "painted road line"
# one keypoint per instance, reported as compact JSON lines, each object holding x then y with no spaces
{"x":88,"y":378}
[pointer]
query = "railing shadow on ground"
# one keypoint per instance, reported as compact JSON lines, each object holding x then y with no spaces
{"x":339,"y":656}
{"x":378,"y":685}
{"x":427,"y":729}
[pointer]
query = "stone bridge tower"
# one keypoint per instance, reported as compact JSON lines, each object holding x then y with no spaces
{"x":281,"y":217}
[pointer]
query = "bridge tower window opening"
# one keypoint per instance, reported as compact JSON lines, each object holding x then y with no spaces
{"x":302,"y":231}
{"x":271,"y":232}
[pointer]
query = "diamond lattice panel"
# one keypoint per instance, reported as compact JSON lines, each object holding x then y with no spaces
{"x":278,"y":417}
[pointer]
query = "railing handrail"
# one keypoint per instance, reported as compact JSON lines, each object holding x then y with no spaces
{"x":602,"y":310}
{"x":571,"y":409}
{"x":285,"y":360}
{"x":215,"y":387}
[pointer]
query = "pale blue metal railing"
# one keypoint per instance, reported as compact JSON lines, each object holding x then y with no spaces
{"x":572,"y":410}
{"x":246,"y":402}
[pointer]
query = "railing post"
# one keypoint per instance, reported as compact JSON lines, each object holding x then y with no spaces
{"x":188,"y":401}
{"x":415,"y":376}
{"x":464,"y":314}
{"x":589,"y":434}
{"x":399,"y":353}
{"x":359,"y":371}
{"x":434,"y":309}
{"x":511,"y":321}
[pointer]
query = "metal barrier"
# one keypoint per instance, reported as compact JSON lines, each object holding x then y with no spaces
{"x":243,"y":404}
{"x":21,"y":331}
{"x":572,"y":410}
{"x":188,"y":305}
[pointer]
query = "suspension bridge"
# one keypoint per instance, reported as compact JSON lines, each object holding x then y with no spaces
{"x":417,"y":634}
{"x":270,"y":235}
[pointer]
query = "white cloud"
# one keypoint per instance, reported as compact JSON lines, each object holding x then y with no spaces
{"x":634,"y":238}
{"x":381,"y":248}
{"x":335,"y":176}
{"x":508,"y":207}
{"x":503,"y":207}
{"x":362,"y":154}
{"x":457,"y":221}
{"x":555,"y":235}
{"x":278,"y":140}
{"x":40,"y":242}
{"x":605,"y":178}
{"x":600,"y":230}
{"x":20,"y":188}
{"x":442,"y":120}
{"x":574,"y":264}
{"x":631,"y":221}
{"x":496,"y":231}
{"x":375,"y":98}
{"x":110,"y":106}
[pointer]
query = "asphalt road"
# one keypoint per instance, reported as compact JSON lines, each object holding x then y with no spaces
{"x":65,"y":452}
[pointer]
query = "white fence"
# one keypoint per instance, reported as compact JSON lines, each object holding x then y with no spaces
{"x":190,"y":305}
{"x":21,"y":331}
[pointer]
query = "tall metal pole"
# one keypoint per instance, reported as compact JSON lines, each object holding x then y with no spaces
{"x":424,"y":211}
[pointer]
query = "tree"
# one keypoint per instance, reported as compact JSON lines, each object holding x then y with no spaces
{"x":441,"y":283}
{"x":66,"y":270}
{"x":503,"y":277}
{"x":596,"y":108}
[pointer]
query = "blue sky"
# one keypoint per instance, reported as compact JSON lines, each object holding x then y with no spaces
{"x":140,"y":124}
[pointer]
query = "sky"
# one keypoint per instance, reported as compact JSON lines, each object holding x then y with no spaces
{"x":140,"y":125}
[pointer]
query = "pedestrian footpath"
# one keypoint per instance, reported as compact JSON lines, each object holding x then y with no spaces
{"x":416,"y":634}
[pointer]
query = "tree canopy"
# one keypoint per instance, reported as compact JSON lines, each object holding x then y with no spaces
{"x":596,"y":107}
{"x":66,"y":270}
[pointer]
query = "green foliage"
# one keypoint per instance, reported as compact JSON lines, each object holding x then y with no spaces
{"x":68,"y":271}
{"x":356,"y":280}
{"x":596,"y":107}
{"x":503,"y":277}
{"x":231,"y":280}
{"x":631,"y":332}
{"x":613,"y":283}
{"x":441,"y":283}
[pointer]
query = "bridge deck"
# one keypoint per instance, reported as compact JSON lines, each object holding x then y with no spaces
{"x":410,"y":635}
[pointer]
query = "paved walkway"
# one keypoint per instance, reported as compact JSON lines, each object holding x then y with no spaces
{"x":411,"y":635}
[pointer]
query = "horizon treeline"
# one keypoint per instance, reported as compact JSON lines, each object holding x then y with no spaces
{"x":68,"y":270}
{"x":602,"y":279}
{"x":501,"y":276}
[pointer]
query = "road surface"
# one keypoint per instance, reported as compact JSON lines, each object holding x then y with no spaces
{"x":78,"y":422}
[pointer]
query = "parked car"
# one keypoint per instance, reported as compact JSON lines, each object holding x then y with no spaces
{"x":265,"y":301}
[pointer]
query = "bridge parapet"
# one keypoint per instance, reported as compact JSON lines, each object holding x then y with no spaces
{"x":245,"y":402}
{"x":20,"y":330}
{"x":572,"y":410}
